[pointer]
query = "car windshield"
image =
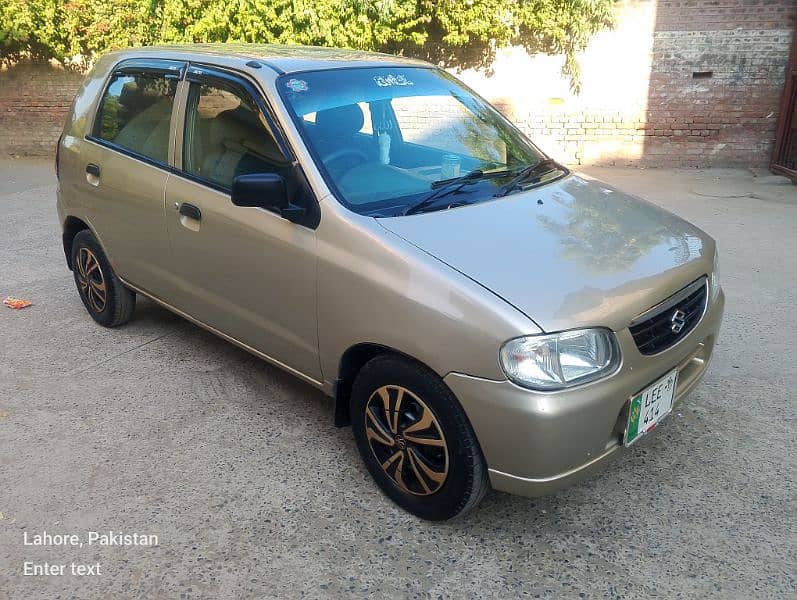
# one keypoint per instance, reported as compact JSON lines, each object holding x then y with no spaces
{"x":388,"y":139}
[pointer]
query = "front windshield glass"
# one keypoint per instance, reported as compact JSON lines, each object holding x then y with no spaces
{"x":385,"y":138}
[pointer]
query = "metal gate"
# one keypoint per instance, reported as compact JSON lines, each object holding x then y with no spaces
{"x":784,"y":157}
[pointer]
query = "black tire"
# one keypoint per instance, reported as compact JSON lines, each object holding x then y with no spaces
{"x":424,"y":491}
{"x":116,"y":306}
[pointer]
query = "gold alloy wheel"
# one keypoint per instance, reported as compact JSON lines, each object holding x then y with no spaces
{"x":91,"y":280}
{"x":406,"y":440}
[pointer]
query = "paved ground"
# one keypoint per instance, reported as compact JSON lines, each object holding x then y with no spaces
{"x":160,"y":428}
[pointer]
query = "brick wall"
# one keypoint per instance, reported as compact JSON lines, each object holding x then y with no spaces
{"x":639,"y":104}
{"x":717,"y":74}
{"x":34,"y":100}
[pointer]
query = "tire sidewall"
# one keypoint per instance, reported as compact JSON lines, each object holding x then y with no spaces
{"x":453,"y":496}
{"x":85,"y":239}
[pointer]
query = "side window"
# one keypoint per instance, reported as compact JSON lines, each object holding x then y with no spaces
{"x":135,"y":113}
{"x":226,"y":135}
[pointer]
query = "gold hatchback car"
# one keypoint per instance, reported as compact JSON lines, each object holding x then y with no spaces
{"x":481,"y":315}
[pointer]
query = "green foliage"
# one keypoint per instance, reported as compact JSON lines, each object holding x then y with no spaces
{"x":452,"y":33}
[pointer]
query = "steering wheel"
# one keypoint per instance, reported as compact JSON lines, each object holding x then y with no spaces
{"x":337,"y":155}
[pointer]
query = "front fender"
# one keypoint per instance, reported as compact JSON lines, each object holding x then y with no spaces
{"x":374,"y":287}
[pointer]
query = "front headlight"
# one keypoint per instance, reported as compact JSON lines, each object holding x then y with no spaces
{"x":715,"y":275}
{"x":560,"y":360}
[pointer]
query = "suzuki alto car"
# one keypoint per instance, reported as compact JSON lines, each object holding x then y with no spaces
{"x":480,"y":315}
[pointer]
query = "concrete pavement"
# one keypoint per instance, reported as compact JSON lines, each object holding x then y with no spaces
{"x":161,"y":428}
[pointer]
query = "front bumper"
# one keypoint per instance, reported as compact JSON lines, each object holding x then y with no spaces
{"x":536,"y":443}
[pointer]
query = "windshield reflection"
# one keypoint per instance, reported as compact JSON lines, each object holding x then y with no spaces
{"x":382,"y":137}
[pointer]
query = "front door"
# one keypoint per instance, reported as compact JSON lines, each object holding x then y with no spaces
{"x":246,"y":272}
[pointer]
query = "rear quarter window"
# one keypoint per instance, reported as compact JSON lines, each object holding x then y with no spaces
{"x":135,"y":114}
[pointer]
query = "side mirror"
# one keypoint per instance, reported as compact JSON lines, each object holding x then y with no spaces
{"x":265,"y":190}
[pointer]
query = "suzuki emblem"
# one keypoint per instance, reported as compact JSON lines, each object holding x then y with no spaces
{"x":678,"y":320}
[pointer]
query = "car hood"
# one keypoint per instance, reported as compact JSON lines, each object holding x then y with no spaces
{"x":574,"y":253}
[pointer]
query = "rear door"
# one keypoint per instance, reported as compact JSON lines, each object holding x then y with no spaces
{"x":126,"y":167}
{"x":246,"y":272}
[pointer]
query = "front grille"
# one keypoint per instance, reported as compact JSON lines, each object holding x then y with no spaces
{"x":665,"y":324}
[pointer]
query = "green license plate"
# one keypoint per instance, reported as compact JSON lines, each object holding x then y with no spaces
{"x":650,"y":406}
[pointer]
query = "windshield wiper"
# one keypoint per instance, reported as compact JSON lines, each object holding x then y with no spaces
{"x":471,"y":175}
{"x":446,"y":187}
{"x":538,"y":169}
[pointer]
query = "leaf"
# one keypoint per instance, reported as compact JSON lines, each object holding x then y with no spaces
{"x":451,"y":33}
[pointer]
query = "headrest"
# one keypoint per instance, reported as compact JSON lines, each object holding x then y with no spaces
{"x":340,"y":121}
{"x":130,"y":94}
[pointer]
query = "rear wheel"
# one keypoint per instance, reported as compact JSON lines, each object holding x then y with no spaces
{"x":105,"y":297}
{"x":415,"y":439}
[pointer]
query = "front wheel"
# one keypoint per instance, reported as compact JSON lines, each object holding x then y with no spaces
{"x":415,"y":439}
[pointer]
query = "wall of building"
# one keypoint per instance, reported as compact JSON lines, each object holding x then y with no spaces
{"x":34,"y":100}
{"x":677,"y":82}
{"x":717,"y":75}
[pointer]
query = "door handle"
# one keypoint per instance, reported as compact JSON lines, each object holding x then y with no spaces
{"x":190,"y":211}
{"x":93,"y":174}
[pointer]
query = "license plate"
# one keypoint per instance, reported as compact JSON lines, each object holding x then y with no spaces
{"x":650,"y":406}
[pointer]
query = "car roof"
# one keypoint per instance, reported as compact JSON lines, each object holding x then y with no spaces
{"x":281,"y":58}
